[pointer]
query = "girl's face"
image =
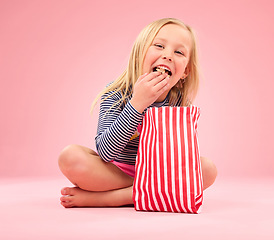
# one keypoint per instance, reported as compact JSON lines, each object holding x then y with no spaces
{"x":171,"y":49}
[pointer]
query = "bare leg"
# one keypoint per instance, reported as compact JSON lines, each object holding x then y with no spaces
{"x":85,"y":169}
{"x":106,"y":186}
{"x":209,"y":172}
{"x":98,"y":183}
{"x":81,"y":198}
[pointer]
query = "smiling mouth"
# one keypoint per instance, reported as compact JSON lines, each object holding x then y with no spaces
{"x":162,"y":70}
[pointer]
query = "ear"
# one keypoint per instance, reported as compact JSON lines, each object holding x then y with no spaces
{"x":187,"y":71}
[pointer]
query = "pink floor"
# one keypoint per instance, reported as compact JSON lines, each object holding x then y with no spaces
{"x":30,"y":209}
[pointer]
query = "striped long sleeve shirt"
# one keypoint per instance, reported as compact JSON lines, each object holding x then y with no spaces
{"x":117,"y":138}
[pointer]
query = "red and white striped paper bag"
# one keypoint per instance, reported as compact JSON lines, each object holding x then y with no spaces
{"x":168,"y":167}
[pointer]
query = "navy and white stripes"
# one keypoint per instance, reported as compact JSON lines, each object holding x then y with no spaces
{"x":116,"y":125}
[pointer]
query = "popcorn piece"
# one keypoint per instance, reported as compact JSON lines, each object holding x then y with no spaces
{"x":162,"y":70}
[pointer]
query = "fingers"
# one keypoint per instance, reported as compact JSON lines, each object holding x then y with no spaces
{"x":147,"y":77}
{"x":153,"y":78}
{"x":159,"y":78}
{"x":142,"y":77}
{"x":162,"y":85}
{"x":156,"y":80}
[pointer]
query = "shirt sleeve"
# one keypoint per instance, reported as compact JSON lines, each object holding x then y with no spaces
{"x":116,"y":125}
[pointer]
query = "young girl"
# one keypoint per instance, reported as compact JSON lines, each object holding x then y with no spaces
{"x":162,"y":71}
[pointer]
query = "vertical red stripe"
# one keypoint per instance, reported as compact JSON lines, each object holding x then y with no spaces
{"x":168,"y":160}
{"x":176,"y":161}
{"x":183,"y":132}
{"x":198,"y":197}
{"x":198,"y":170}
{"x":161,"y":156}
{"x":147,"y":159}
{"x":145,"y":163}
{"x":157,"y":185}
{"x":154,"y":183}
{"x":141,"y":167}
{"x":144,"y":159}
{"x":171,"y":157}
{"x":191,"y":158}
{"x":138,"y":167}
{"x":162,"y":138}
{"x":158,"y":204}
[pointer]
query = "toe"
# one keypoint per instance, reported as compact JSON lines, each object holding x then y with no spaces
{"x":67,"y":191}
{"x":64,"y":191}
{"x":67,"y":204}
{"x":67,"y":201}
{"x":66,"y":198}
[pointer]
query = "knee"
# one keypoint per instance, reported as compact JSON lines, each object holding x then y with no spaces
{"x":209,"y":172}
{"x":70,"y":158}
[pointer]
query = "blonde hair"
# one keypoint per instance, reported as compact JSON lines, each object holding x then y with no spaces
{"x":124,"y":84}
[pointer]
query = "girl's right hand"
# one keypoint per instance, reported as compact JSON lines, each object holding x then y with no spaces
{"x":148,"y":88}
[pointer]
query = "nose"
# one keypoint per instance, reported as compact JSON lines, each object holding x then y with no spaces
{"x":167,"y":55}
{"x":168,"y":58}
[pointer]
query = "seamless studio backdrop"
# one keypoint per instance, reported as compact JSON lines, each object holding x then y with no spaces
{"x":55,"y":56}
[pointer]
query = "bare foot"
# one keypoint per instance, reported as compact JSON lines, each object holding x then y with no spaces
{"x":77,"y":197}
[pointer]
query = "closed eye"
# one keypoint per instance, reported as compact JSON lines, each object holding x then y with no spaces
{"x":180,"y":52}
{"x":159,"y":45}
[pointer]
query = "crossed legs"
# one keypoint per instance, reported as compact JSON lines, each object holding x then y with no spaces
{"x":101,"y":184}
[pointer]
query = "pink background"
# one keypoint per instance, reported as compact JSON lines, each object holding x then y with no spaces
{"x":56,"y":55}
